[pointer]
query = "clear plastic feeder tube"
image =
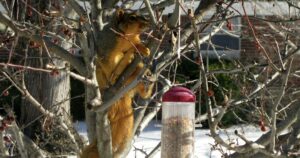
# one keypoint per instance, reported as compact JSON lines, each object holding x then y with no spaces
{"x":178,"y":124}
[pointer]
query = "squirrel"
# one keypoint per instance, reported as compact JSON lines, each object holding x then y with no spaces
{"x":111,"y":63}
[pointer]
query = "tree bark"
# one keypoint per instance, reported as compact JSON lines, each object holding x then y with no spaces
{"x":52,"y":90}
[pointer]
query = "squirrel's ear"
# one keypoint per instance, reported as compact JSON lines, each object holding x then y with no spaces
{"x":119,"y":13}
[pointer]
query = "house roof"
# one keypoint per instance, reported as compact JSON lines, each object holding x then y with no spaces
{"x":252,"y":8}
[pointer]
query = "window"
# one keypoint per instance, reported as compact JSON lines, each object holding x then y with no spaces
{"x":226,"y":44}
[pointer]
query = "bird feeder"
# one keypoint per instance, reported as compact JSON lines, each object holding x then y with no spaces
{"x":178,"y":123}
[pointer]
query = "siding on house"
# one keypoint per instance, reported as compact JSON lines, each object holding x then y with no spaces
{"x":269,"y":39}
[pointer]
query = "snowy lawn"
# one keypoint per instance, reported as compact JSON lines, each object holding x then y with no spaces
{"x":204,"y":148}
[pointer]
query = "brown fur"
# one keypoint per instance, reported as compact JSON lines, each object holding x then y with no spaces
{"x":109,"y":70}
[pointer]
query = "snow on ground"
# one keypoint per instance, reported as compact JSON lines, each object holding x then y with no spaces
{"x":150,"y":137}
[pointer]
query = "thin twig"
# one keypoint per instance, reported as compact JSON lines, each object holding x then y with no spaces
{"x":150,"y":11}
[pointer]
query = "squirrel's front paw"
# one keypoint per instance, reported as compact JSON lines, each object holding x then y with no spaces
{"x":143,"y":50}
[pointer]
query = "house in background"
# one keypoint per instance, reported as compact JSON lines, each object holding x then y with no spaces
{"x":235,"y":40}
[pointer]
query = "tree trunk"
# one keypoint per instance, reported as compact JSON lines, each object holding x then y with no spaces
{"x":52,"y":90}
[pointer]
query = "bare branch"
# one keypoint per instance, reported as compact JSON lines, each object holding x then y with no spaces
{"x":104,"y":135}
{"x":59,"y":51}
{"x":31,"y":99}
{"x":275,"y":107}
{"x":150,"y":11}
{"x":201,"y":10}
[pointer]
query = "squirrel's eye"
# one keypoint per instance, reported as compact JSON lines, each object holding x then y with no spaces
{"x":132,"y":17}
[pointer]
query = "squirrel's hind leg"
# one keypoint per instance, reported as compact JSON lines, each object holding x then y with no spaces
{"x":121,"y":120}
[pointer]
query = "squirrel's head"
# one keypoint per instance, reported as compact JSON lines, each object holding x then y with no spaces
{"x":131,"y":23}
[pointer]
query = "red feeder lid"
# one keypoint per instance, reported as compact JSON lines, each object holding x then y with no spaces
{"x":179,"y":94}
